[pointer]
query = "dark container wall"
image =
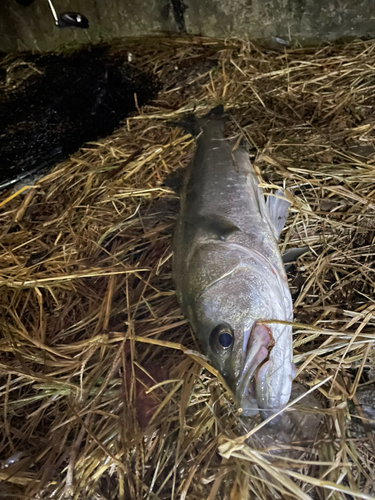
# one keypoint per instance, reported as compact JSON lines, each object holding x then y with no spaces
{"x":307,"y":21}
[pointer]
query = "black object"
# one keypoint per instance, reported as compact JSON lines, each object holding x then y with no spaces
{"x":67,"y":101}
{"x":25,"y":3}
{"x":66,"y":19}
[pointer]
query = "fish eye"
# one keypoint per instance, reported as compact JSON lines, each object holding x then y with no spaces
{"x":222,"y":338}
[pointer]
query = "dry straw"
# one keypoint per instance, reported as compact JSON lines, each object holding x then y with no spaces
{"x":87,"y":300}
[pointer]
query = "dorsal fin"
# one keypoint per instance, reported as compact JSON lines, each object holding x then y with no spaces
{"x":174,"y":180}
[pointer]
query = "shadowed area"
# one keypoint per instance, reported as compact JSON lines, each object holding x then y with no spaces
{"x":51,"y":105}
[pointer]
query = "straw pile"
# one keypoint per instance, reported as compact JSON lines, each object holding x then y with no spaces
{"x":88,"y":307}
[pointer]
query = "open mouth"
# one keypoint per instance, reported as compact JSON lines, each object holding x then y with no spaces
{"x":259,"y":343}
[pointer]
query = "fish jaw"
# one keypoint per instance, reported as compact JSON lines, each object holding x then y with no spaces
{"x":256,"y":352}
{"x":274,"y":378}
{"x":266,"y":381}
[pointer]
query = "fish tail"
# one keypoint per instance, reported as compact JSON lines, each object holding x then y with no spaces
{"x":193,"y":125}
{"x":217,"y":111}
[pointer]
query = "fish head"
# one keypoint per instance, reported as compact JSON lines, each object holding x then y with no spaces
{"x":253,"y":356}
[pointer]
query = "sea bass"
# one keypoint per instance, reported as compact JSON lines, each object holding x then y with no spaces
{"x":228,"y":272}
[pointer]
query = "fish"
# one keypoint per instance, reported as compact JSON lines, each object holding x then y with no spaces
{"x":228,"y":272}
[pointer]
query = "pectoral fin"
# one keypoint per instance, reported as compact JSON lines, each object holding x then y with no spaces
{"x":278,"y":210}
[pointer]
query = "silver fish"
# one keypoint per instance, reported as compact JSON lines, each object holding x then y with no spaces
{"x":228,"y":271}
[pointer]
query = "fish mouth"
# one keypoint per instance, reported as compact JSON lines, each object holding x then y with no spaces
{"x":259,"y":344}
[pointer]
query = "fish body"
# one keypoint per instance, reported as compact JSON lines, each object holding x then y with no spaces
{"x":228,"y":271}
